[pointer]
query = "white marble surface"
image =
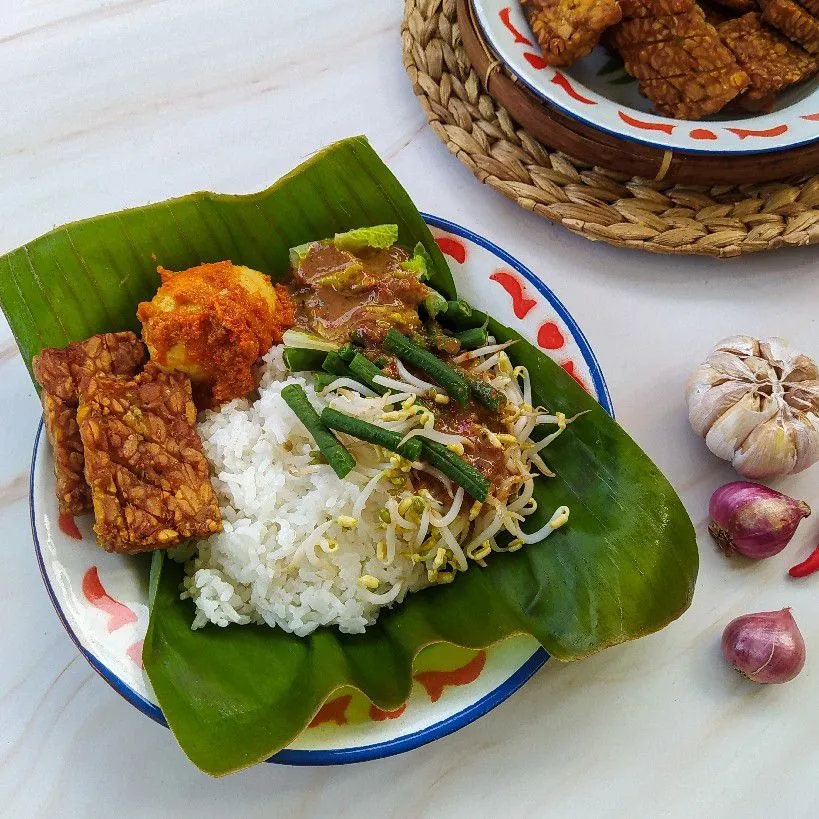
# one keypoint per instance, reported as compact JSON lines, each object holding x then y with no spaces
{"x":118,"y":103}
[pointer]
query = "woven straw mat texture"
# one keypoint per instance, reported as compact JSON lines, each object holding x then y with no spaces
{"x":597,"y":203}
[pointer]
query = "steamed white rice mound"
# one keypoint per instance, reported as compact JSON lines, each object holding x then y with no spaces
{"x":284,"y":558}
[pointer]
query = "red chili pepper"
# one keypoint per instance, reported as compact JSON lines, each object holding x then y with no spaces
{"x":807,"y":566}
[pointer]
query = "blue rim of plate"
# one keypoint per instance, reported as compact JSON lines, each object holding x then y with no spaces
{"x":541,"y":95}
{"x":398,"y":745}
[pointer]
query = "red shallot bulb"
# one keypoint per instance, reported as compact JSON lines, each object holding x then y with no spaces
{"x":766,"y":647}
{"x":754,"y":520}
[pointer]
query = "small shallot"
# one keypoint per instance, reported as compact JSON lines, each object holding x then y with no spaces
{"x":754,"y":520}
{"x":766,"y":647}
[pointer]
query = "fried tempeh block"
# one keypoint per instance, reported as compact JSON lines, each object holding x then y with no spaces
{"x":647,"y":30}
{"x":793,"y":21}
{"x":149,"y":479}
{"x":676,"y":57}
{"x":569,"y":29}
{"x":654,"y":8}
{"x":810,"y":5}
{"x":61,"y":372}
{"x":771,"y":61}
{"x":696,"y":96}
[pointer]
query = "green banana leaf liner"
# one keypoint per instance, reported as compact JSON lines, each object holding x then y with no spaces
{"x":624,"y":566}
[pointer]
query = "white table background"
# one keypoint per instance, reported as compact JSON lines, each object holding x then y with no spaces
{"x":105,"y":105}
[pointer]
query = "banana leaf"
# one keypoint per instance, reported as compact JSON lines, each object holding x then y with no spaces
{"x":623,"y":567}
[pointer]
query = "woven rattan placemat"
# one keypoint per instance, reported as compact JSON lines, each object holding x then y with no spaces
{"x":595,"y":202}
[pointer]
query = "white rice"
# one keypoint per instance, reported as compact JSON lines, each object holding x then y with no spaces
{"x":271,"y":564}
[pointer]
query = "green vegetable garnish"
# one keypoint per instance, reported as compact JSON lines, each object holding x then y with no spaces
{"x":364,"y":370}
{"x":451,"y":380}
{"x":457,"y":469}
{"x":434,"y":304}
{"x":378,"y":237}
{"x":473,"y":338}
{"x":299,"y":253}
{"x":337,"y":456}
{"x":297,"y":359}
{"x":419,"y":264}
{"x":411,"y":449}
{"x":335,"y":365}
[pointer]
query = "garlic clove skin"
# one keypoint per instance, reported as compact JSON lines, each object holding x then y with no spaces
{"x":729,"y":431}
{"x":741,"y":345}
{"x":756,"y":403}
{"x":711,"y":401}
{"x":806,"y":440}
{"x":768,"y":451}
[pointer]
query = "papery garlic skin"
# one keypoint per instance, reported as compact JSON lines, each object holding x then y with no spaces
{"x":756,"y":403}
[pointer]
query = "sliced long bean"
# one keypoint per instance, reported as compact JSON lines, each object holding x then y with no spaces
{"x":334,"y":364}
{"x":485,"y":393}
{"x":458,"y":314}
{"x":297,"y":359}
{"x":347,"y":352}
{"x":364,"y":370}
{"x":457,"y":469}
{"x":473,"y":338}
{"x":337,"y":456}
{"x":411,"y":450}
{"x":451,"y":380}
{"x":324,"y":380}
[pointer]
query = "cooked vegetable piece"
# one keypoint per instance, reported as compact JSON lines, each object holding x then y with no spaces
{"x":410,"y":353}
{"x":355,"y":427}
{"x":473,"y":338}
{"x":457,"y":469}
{"x":337,"y":456}
{"x":458,"y":314}
{"x":364,"y":370}
{"x":323,"y":380}
{"x":347,"y":352}
{"x":435,"y":304}
{"x":308,"y":341}
{"x":485,"y":393}
{"x":298,"y":359}
{"x":378,"y":237}
{"x":335,"y":365}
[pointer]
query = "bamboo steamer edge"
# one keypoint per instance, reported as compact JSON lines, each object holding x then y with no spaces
{"x":572,"y":137}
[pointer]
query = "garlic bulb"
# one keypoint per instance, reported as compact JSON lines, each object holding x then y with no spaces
{"x":756,"y":403}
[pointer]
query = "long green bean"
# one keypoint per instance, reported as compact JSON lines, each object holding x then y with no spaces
{"x":337,"y":456}
{"x":451,"y":380}
{"x":297,"y":359}
{"x":334,"y":364}
{"x":456,"y":469}
{"x":411,"y":449}
{"x":364,"y":370}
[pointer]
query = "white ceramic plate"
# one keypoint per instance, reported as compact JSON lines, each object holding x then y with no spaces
{"x":597,"y":91}
{"x":101,"y":598}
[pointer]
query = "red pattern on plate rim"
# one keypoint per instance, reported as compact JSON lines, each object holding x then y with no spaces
{"x":535,"y":60}
{"x":134,"y":651}
{"x":454,"y":248}
{"x":332,"y":711}
{"x":434,"y":682}
{"x":702,"y":133}
{"x":776,"y":131}
{"x":519,"y":38}
{"x":521,"y":302}
{"x":570,"y":369}
{"x":549,"y":336}
{"x":119,"y":614}
{"x":68,"y":526}
{"x":561,"y":81}
{"x":810,"y":117}
{"x":379,"y":715}
{"x":665,"y":127}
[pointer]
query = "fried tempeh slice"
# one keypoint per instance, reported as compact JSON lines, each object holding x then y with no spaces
{"x":641,"y":31}
{"x":654,"y":8}
{"x":61,"y":372}
{"x":771,"y":61}
{"x":567,"y":30}
{"x":810,"y":5}
{"x":677,"y":57}
{"x":793,"y":21}
{"x":150,"y":482}
{"x":696,"y":96}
